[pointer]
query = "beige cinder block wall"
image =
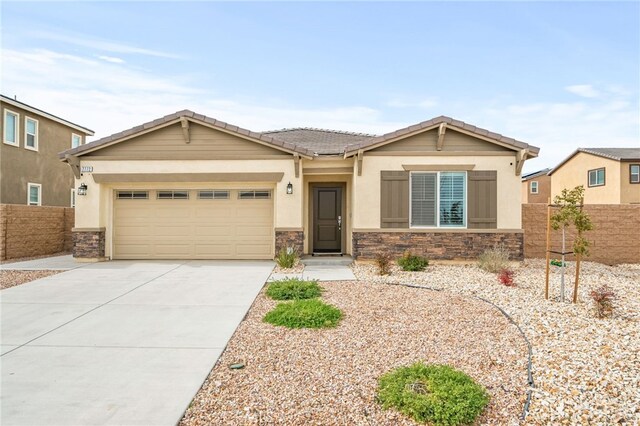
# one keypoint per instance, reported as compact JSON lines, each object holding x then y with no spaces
{"x":575,"y":172}
{"x":366,"y":188}
{"x":94,"y":210}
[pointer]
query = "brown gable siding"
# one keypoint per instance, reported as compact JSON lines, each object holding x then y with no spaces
{"x":482,"y":199}
{"x":394,"y":199}
{"x":453,"y":142}
{"x":205,"y":144}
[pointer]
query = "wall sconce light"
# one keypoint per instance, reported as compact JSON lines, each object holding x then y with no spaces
{"x":289,"y":188}
{"x":82,"y":189}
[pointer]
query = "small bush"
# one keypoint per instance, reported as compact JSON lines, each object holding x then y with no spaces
{"x":293,"y":289}
{"x":383,"y":261}
{"x":432,"y":393}
{"x":506,"y":277}
{"x":603,"y":298}
{"x":287,"y":257}
{"x":494,"y":259}
{"x":410,"y":262}
{"x":312,"y":313}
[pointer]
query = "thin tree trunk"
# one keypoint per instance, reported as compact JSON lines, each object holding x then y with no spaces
{"x":546,"y":283}
{"x":575,"y":285}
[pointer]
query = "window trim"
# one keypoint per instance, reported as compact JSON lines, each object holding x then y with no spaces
{"x":26,"y":133}
{"x":4,"y":127}
{"x":72,"y":199}
{"x":35,"y":185}
{"x":79,"y":136}
{"x":531,"y":191}
{"x":438,"y":225}
{"x":604,"y":177}
{"x":631,"y":175}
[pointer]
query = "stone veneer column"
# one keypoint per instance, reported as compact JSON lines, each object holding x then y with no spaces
{"x":89,"y":244}
{"x":290,"y":238}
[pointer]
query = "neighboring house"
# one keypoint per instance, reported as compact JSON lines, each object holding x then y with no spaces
{"x":536,"y":187}
{"x":30,"y":172}
{"x":189,"y":186}
{"x":609,"y":175}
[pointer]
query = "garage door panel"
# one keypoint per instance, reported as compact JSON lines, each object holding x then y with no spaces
{"x":193,"y":228}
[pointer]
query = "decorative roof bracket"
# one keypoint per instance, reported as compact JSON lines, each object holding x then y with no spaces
{"x":74,"y":163}
{"x":185,"y":129}
{"x":441,"y":130}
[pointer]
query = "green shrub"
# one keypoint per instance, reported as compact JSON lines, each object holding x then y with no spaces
{"x":312,"y":313}
{"x":287,"y":257}
{"x":383,"y":261}
{"x":293,"y":289}
{"x":494,"y":259}
{"x":432,"y":393}
{"x":410,"y":262}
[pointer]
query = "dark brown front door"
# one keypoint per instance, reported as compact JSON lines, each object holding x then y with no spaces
{"x":327,"y":220}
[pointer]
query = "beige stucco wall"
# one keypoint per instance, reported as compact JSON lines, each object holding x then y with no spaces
{"x":575,"y":172}
{"x":544,"y":190}
{"x":629,"y":192}
{"x":366,"y":188}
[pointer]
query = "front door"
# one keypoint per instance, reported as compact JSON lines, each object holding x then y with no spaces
{"x":327,"y":219}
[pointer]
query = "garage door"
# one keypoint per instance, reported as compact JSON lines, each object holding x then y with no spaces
{"x":193,"y":224}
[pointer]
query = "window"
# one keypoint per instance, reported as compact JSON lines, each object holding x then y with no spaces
{"x":533,"y":186}
{"x":596,"y":177}
{"x":31,"y":132}
{"x":634,"y":173}
{"x":34,"y":194}
{"x":11,"y":133}
{"x":438,"y":199}
{"x":133,"y":195}
{"x":254,"y":195}
{"x":172,"y":195}
{"x":73,"y":197}
{"x":76,"y":140}
{"x":210,"y":194}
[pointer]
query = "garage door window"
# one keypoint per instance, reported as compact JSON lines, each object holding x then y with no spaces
{"x":212,"y":194}
{"x":173,"y":195}
{"x":254,"y":195}
{"x":133,"y":195}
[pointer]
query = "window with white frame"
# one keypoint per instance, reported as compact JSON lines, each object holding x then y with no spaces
{"x":76,"y":140}
{"x":634,"y":173}
{"x":11,"y":131}
{"x":73,"y":197}
{"x":31,"y":133}
{"x":533,"y":186}
{"x":438,"y":199}
{"x":34,"y":194}
{"x":596,"y":177}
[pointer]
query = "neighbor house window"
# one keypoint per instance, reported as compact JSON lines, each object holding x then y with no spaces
{"x":634,"y":173}
{"x":31,"y":133}
{"x":438,"y":199}
{"x":534,"y":187}
{"x":11,"y":120}
{"x":596,"y":177}
{"x":76,"y":140}
{"x":34,"y":194}
{"x":73,"y":197}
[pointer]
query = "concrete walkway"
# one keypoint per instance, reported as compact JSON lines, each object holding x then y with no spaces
{"x":119,"y":342}
{"x":320,"y":273}
{"x":58,"y":263}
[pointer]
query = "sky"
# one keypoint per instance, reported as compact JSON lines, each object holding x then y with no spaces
{"x":556,"y":75}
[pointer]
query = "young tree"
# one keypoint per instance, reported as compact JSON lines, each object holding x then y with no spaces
{"x":570,"y":203}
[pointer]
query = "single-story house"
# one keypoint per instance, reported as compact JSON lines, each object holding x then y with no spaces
{"x":187,"y":186}
{"x":608,"y":175}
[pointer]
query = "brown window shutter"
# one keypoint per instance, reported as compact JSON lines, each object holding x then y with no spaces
{"x":394,"y":199}
{"x":482,"y":199}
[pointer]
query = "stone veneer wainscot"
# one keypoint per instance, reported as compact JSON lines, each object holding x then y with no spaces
{"x":89,"y":243}
{"x":290,"y":238}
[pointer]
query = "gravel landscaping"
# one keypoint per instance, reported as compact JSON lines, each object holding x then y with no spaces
{"x":330,"y":376}
{"x":586,"y":370}
{"x":11,"y":278}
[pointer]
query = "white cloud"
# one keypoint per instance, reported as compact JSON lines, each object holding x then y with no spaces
{"x":584,"y":90}
{"x":111,"y":59}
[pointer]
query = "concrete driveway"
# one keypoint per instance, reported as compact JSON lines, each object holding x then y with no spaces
{"x":120,"y":342}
